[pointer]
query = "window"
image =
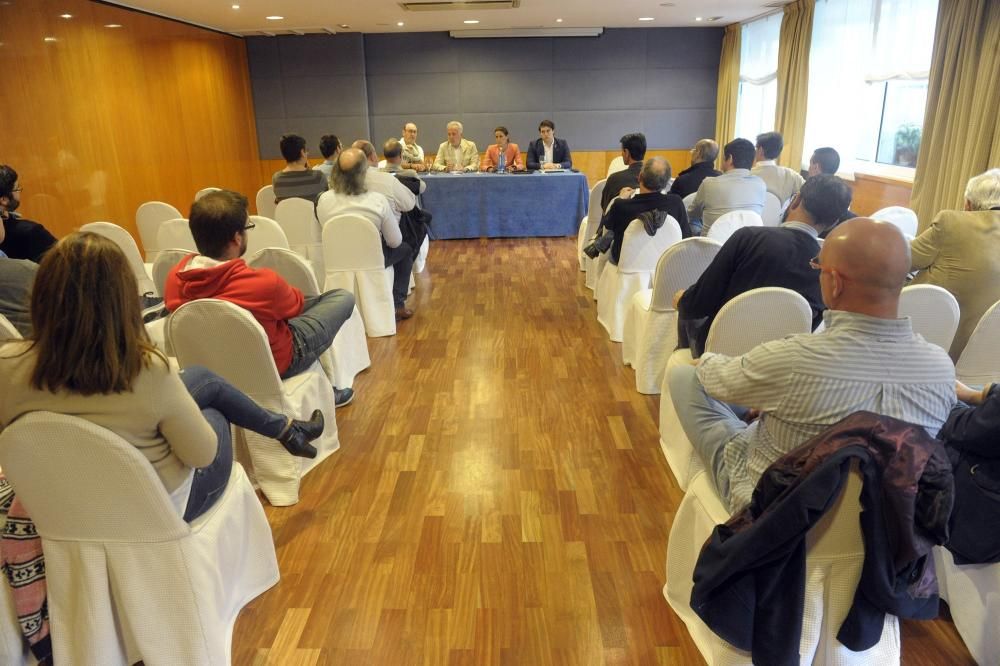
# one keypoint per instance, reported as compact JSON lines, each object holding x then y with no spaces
{"x":868,"y":69}
{"x":758,"y":76}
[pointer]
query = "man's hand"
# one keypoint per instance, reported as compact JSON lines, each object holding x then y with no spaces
{"x":626,"y":192}
{"x":418,"y":166}
{"x":549,"y":165}
{"x":677,"y":297}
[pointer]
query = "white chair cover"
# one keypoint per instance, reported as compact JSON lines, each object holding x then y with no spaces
{"x":124,"y":240}
{"x":650,"y":331}
{"x":834,"y":558}
{"x":902,"y":217}
{"x":238,"y":350}
{"x":728,"y":223}
{"x":265,"y":202}
{"x":165,"y":261}
{"x":973,"y":594}
{"x":617,"y":164}
{"x":297,"y":218}
{"x":588,"y":227}
{"x":7,"y":330}
{"x":352,"y":252}
{"x":175,"y":234}
{"x":979,"y":363}
{"x":266,"y":233}
{"x":772,"y":210}
{"x":617,"y":284}
{"x":349,"y":351}
{"x":202,"y":192}
{"x":148,"y":219}
{"x":933,"y":312}
{"x":421,"y":261}
{"x":127,"y":578}
{"x":752,"y":318}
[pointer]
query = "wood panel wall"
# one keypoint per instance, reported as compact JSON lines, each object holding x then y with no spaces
{"x":103,"y":119}
{"x":872,"y":193}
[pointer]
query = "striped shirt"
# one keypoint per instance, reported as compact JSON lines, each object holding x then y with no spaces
{"x":805,"y":383}
{"x":307,"y":184}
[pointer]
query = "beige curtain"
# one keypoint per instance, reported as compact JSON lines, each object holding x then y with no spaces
{"x":793,"y":80}
{"x":961,"y":136}
{"x":729,"y":87}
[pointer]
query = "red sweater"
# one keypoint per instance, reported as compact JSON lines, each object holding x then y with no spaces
{"x":267,"y":296}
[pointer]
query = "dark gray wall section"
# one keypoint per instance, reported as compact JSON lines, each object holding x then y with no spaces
{"x":658,"y":81}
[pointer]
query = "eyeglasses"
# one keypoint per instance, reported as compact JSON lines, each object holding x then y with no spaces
{"x":250,"y":225}
{"x":17,"y":189}
{"x":815,"y":264}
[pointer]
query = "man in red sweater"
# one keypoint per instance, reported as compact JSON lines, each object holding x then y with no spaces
{"x":298,"y":329}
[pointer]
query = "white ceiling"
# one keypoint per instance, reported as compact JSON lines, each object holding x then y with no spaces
{"x":309,"y":16}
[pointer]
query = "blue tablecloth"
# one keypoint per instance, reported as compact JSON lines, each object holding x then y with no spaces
{"x":473,"y":205}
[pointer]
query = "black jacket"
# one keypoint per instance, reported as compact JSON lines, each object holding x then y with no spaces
{"x":619,"y":179}
{"x":689,"y":180}
{"x":623,"y":211}
{"x":749,"y":581}
{"x":560,"y":154}
{"x":25,"y":239}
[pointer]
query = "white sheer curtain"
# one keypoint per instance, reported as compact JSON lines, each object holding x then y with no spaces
{"x":758,"y":76}
{"x":903,"y":39}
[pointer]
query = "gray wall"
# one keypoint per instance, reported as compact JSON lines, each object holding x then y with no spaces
{"x":658,"y":81}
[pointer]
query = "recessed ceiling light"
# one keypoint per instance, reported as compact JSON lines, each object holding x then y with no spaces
{"x":113,"y":25}
{"x":558,"y":20}
{"x":471,"y":22}
{"x":400,"y":24}
{"x":50,"y":39}
{"x":698,"y":18}
{"x":66,"y":16}
{"x":344,"y":26}
{"x":274,"y":18}
{"x":646,"y":18}
{"x":236,"y":6}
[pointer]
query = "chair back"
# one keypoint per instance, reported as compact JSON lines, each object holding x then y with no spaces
{"x":901,"y":216}
{"x":594,"y":211}
{"x":176,"y":234}
{"x":933,"y":312}
{"x":728,"y":223}
{"x":980,"y":360}
{"x":202,"y":192}
{"x":297,"y":218}
{"x":640,"y":251}
{"x":148,"y":219}
{"x":689,"y":199}
{"x":265,"y":201}
{"x":126,"y":243}
{"x":679,"y":268}
{"x":7,"y":330}
{"x":295,"y":270}
{"x":166,"y":260}
{"x":758,"y":316}
{"x":352,"y":243}
{"x":772,"y":210}
{"x":266,"y":233}
{"x":617,"y":164}
{"x":45,"y":456}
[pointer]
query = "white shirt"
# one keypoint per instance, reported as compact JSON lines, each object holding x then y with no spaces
{"x":371,"y":205}
{"x":781,"y":181}
{"x":400,"y":197}
{"x":548,"y":148}
{"x":412,"y":152}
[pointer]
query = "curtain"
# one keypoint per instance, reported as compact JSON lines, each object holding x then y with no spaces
{"x":793,"y":80}
{"x":729,"y":87}
{"x":758,"y":84}
{"x":902,"y":32}
{"x":961,"y":135}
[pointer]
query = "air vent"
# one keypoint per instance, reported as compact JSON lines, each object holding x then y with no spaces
{"x":322,"y":30}
{"x":459,"y":5}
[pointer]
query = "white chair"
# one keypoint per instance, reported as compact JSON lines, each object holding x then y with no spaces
{"x":973,"y":595}
{"x":349,"y":351}
{"x":979,"y":363}
{"x":265,"y":201}
{"x":7,"y":330}
{"x":639,"y":254}
{"x":265,"y":233}
{"x":933,"y":312}
{"x":650,"y":332}
{"x":617,"y":164}
{"x":148,"y":219}
{"x":421,"y":261}
{"x":127,"y":578}
{"x":771,"y":216}
{"x":143,"y":272}
{"x":229,"y":341}
{"x":352,"y":252}
{"x":835,"y":555}
{"x":166,"y":260}
{"x":588,"y":227}
{"x":297,"y":218}
{"x":752,"y":318}
{"x":204,"y":191}
{"x":175,"y":234}
{"x":728,"y":223}
{"x":902,"y":217}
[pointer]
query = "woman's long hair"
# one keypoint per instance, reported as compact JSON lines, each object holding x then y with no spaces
{"x":88,"y":332}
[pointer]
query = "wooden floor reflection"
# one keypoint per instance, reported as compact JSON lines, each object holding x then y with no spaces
{"x":499,"y":497}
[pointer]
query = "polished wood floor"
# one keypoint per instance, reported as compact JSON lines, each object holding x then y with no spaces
{"x":499,"y":497}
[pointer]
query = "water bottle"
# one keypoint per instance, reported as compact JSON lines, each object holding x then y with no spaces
{"x":503,"y":162}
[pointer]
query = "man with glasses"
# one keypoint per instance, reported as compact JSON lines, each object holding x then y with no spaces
{"x":866,"y":359}
{"x":21,"y":238}
{"x":298,"y":329}
{"x":412,"y":154}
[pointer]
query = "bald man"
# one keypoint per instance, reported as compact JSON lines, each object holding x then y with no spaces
{"x":866,"y":359}
{"x":400,"y":197}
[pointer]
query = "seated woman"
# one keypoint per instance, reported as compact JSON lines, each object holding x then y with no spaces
{"x":503,"y":147}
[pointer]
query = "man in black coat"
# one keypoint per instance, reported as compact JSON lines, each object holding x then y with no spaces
{"x":547,"y":152}
{"x":702,"y":166}
{"x":633,"y":152}
{"x":22,"y":239}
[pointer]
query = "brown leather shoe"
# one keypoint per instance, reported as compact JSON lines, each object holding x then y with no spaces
{"x":403,"y":313}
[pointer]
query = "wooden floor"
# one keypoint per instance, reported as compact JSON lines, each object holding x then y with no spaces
{"x":499,"y":497}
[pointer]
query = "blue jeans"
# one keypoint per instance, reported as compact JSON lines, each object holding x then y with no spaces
{"x":222,"y":404}
{"x":708,"y":423}
{"x":313,"y":330}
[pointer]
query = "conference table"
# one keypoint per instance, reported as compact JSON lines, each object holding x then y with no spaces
{"x":475,"y":205}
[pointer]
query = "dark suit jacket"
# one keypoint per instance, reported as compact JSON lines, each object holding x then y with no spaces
{"x":560,"y":154}
{"x":619,"y":179}
{"x":25,"y":239}
{"x":689,"y":180}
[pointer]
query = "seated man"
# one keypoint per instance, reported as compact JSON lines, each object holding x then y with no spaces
{"x":547,"y":152}
{"x":866,"y":359}
{"x":298,"y":329}
{"x":456,"y":154}
{"x":297,"y":179}
{"x":702,"y":166}
{"x":329,"y":147}
{"x":827,"y":161}
{"x":392,"y":153}
{"x":629,"y":205}
{"x":400,"y":197}
{"x":735,"y":189}
{"x":633,"y":153}
{"x":23,"y":239}
{"x":765,"y":257}
{"x":413,"y":154}
{"x":16,"y":278}
{"x":781,"y":181}
{"x":350,"y":196}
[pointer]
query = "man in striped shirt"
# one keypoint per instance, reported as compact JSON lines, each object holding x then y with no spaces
{"x":297,"y":179}
{"x":865,"y":359}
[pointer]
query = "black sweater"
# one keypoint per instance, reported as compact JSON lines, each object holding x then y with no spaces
{"x":689,"y":180}
{"x":25,"y":239}
{"x":623,"y":211}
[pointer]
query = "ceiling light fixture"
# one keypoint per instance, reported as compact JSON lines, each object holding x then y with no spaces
{"x":400,"y":24}
{"x":113,"y":25}
{"x":558,"y":20}
{"x":344,"y":26}
{"x":646,"y":18}
{"x":236,"y":6}
{"x":274,"y":18}
{"x":713,"y":19}
{"x":698,"y":18}
{"x":49,"y":39}
{"x":471,"y":22}
{"x":66,"y":16}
